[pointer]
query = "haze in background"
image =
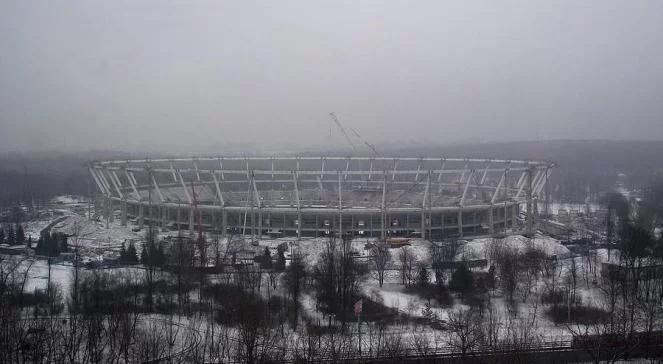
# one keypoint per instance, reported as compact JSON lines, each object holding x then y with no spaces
{"x":222,"y":75}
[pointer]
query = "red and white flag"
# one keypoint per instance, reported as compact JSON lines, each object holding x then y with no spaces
{"x":358,"y":307}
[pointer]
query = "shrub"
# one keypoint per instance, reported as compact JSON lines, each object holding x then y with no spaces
{"x":553,"y":297}
{"x":462,"y":280}
{"x":438,"y":292}
{"x":585,"y":315}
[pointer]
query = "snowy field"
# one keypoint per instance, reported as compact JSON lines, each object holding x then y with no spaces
{"x":477,"y":248}
{"x":97,"y":242}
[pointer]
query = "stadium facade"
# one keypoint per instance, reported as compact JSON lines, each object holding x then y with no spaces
{"x":434,"y":198}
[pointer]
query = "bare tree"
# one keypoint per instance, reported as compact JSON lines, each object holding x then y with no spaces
{"x":507,"y":262}
{"x":405,"y":258}
{"x":295,"y":276}
{"x":492,"y":327}
{"x":13,"y":330}
{"x":521,"y":332}
{"x":596,"y":339}
{"x":532,"y":262}
{"x":421,"y":343}
{"x":572,"y":283}
{"x":381,"y":257}
{"x":465,"y":326}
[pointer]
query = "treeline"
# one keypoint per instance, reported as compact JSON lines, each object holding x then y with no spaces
{"x":39,"y":187}
{"x":582,"y":164}
{"x":52,"y":244}
{"x":12,"y":234}
{"x":631,"y":310}
{"x":37,"y":177}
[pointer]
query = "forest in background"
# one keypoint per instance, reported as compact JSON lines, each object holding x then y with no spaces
{"x":582,"y":163}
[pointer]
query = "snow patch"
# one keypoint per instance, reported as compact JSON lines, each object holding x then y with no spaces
{"x":478,"y":248}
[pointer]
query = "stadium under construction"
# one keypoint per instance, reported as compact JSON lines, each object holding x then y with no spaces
{"x":379,"y":197}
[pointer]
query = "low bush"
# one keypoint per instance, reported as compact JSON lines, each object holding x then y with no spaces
{"x":462,"y":280}
{"x":438,"y":292}
{"x":586,"y":315}
{"x":553,"y":297}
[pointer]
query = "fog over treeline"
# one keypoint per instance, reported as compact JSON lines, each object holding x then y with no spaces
{"x":582,"y":165}
{"x":211,"y":76}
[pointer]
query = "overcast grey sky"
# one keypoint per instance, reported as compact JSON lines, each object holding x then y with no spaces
{"x":156,"y":75}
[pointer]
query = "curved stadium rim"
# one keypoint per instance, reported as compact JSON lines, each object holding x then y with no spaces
{"x":487,"y":197}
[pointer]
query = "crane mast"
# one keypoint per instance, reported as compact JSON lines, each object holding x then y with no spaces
{"x":342,"y":129}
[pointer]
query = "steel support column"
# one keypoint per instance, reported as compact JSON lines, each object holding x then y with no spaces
{"x":530,"y":211}
{"x":423,"y":207}
{"x":123,"y":213}
{"x":299,"y":208}
{"x":340,"y":207}
{"x":491,"y":212}
{"x":141,"y":215}
{"x":383,"y":208}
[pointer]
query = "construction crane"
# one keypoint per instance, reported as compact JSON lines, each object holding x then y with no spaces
{"x":355,"y":132}
{"x":342,"y":129}
{"x":369,"y":145}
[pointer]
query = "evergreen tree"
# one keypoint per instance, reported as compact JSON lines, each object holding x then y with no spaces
{"x":462,"y":280}
{"x":144,"y":255}
{"x":123,"y":254}
{"x":11,"y":235}
{"x":280,"y":259}
{"x":63,"y":243}
{"x":266,"y":260}
{"x":423,"y":277}
{"x":159,"y":255}
{"x":20,"y":235}
{"x":42,"y":244}
{"x":153,"y":254}
{"x":51,"y":244}
{"x":29,"y":242}
{"x":427,"y":312}
{"x":2,"y":234}
{"x":490,"y":277}
{"x":132,"y":256}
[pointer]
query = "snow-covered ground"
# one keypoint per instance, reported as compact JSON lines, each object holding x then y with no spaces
{"x":94,"y":239}
{"x":97,"y":241}
{"x":37,"y":277}
{"x":478,"y":248}
{"x":68,"y":199}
